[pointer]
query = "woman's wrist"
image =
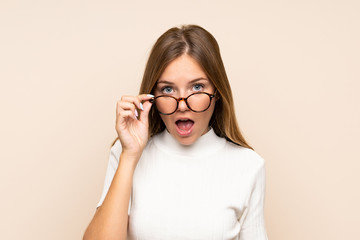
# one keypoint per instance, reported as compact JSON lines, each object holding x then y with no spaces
{"x":129,"y":157}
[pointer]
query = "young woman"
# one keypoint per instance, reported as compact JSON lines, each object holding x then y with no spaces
{"x":180,"y":168}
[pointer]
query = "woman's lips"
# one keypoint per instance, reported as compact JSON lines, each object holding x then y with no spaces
{"x":184,"y":127}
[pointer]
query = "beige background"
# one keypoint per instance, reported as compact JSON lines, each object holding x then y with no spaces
{"x":293,"y":66}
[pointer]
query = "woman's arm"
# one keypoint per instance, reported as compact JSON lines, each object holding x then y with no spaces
{"x":111,"y":218}
{"x":253,"y":227}
{"x":110,"y":221}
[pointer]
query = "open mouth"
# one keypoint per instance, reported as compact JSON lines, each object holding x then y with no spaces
{"x":184,"y":126}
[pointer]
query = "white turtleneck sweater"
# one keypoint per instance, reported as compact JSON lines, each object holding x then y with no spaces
{"x":212,"y":189}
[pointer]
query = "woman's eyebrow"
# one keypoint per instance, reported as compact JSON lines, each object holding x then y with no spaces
{"x":192,"y":81}
{"x":164,"y":81}
{"x":198,"y":79}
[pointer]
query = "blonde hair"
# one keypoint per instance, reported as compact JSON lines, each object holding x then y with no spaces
{"x":202,"y":46}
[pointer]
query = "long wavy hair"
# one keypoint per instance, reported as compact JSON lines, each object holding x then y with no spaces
{"x":202,"y":46}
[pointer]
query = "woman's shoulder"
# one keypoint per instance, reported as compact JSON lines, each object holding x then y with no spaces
{"x":244,"y":155}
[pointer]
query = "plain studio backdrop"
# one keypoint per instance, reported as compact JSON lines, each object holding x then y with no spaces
{"x":294,"y":71}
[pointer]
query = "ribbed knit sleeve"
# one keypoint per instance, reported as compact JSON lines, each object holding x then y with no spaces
{"x":113,"y":164}
{"x":253,"y":227}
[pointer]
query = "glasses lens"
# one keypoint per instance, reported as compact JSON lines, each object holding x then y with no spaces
{"x":165,"y":104}
{"x":199,"y":102}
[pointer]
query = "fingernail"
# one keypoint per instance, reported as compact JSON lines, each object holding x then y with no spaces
{"x":136,"y":113}
{"x":150,"y":95}
{"x":141,"y":107}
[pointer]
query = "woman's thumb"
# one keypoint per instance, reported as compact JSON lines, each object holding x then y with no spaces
{"x":145,"y":113}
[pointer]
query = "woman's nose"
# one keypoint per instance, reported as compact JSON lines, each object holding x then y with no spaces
{"x":182,"y":106}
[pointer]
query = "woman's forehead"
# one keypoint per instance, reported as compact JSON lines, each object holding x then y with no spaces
{"x":184,"y":67}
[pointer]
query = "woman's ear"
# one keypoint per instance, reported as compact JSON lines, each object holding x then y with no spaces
{"x":216,"y":95}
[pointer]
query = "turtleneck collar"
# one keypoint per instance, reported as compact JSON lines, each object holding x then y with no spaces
{"x":203,"y":146}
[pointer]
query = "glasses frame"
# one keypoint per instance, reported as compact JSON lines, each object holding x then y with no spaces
{"x":211,"y":96}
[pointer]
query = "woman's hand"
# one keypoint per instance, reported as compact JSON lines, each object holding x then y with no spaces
{"x":132,"y":125}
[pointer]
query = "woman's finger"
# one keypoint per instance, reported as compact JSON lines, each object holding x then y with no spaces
{"x":124,"y":115}
{"x":145,"y":113}
{"x":126,"y":106}
{"x":137,"y":100}
{"x":133,"y":99}
{"x":145,"y":97}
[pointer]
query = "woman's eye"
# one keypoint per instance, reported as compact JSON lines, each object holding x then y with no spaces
{"x":166,"y":89}
{"x":198,"y":87}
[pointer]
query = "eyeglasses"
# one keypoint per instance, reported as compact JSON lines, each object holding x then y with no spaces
{"x":196,"y":102}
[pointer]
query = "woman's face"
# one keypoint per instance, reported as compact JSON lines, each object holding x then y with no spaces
{"x":182,"y":77}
